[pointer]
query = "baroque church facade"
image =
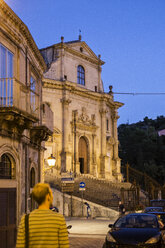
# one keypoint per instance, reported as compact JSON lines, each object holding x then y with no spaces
{"x":85,"y":139}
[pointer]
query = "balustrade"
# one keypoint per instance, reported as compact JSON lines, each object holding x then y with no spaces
{"x":14,"y":94}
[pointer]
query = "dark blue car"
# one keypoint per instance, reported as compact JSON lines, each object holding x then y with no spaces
{"x":153,"y":209}
{"x":135,"y":230}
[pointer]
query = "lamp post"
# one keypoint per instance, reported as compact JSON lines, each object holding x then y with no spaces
{"x":51,"y":161}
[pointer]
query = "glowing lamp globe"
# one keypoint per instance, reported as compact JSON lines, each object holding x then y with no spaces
{"x":51,"y":161}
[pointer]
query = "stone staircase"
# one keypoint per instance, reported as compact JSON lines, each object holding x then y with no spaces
{"x":99,"y":191}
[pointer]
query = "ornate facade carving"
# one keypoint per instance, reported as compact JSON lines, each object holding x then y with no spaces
{"x":85,"y":119}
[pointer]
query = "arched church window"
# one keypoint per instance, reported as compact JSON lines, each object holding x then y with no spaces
{"x":80,"y":75}
{"x":7,"y":167}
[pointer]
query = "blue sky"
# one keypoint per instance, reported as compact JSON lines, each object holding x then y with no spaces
{"x":129,"y":35}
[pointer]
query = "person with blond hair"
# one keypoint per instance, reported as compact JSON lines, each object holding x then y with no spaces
{"x":46,"y":227}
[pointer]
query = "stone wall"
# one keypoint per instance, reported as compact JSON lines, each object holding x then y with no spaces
{"x":79,"y":208}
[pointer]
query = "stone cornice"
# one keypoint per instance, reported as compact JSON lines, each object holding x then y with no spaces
{"x":9,"y":13}
{"x":77,"y":90}
{"x":118,"y":104}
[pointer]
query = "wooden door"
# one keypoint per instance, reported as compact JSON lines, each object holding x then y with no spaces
{"x":7,"y":217}
{"x":83,"y":155}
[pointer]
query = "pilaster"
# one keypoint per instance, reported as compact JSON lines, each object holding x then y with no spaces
{"x":99,"y":73}
{"x":65,"y":132}
{"x":103,"y":142}
{"x":62,"y":58}
{"x":115,"y":135}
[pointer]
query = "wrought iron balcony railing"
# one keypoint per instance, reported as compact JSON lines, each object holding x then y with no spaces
{"x":13,"y":93}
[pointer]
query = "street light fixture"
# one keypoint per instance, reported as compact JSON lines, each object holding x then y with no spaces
{"x":51,"y":161}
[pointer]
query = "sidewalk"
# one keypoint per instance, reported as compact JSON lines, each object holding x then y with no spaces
{"x":88,"y":227}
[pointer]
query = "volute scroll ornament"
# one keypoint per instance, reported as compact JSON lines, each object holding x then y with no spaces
{"x":65,"y":101}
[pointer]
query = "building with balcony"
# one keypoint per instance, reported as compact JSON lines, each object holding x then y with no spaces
{"x":85,"y":139}
{"x":22,"y":132}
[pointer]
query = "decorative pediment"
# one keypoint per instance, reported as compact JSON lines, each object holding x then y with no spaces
{"x":78,"y":48}
{"x":84,"y":121}
{"x":84,"y":50}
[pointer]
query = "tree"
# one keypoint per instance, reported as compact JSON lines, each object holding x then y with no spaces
{"x":142,"y":148}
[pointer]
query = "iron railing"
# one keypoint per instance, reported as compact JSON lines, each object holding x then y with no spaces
{"x":13,"y":93}
{"x":145,"y":182}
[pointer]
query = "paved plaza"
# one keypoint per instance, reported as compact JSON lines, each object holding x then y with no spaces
{"x":88,"y":233}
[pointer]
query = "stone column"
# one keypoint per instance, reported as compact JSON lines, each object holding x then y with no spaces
{"x":65,"y":131}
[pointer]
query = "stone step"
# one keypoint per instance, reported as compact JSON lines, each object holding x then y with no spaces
{"x":99,"y":191}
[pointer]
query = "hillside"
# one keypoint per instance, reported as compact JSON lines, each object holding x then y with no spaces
{"x":141,"y":146}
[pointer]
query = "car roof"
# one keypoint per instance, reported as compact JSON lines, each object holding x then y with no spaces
{"x":158,"y":200}
{"x":159,"y":213}
{"x":139,"y":214}
{"x":153,"y":207}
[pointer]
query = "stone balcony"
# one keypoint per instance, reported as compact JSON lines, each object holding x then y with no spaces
{"x":16,"y":95}
{"x":47,"y":116}
{"x":19,"y":107}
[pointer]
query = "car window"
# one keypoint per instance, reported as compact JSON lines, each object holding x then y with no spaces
{"x":121,"y":222}
{"x":137,"y":221}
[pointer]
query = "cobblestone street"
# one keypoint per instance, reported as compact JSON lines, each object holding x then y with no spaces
{"x":86,"y":242}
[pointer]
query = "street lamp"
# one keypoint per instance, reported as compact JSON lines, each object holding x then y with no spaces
{"x":51,"y":161}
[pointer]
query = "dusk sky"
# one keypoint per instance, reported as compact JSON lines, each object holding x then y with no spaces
{"x":129,"y":35}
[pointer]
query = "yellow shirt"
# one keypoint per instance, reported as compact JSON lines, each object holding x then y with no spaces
{"x":46,"y":229}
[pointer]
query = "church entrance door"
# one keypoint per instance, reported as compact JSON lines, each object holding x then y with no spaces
{"x":83,"y":155}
